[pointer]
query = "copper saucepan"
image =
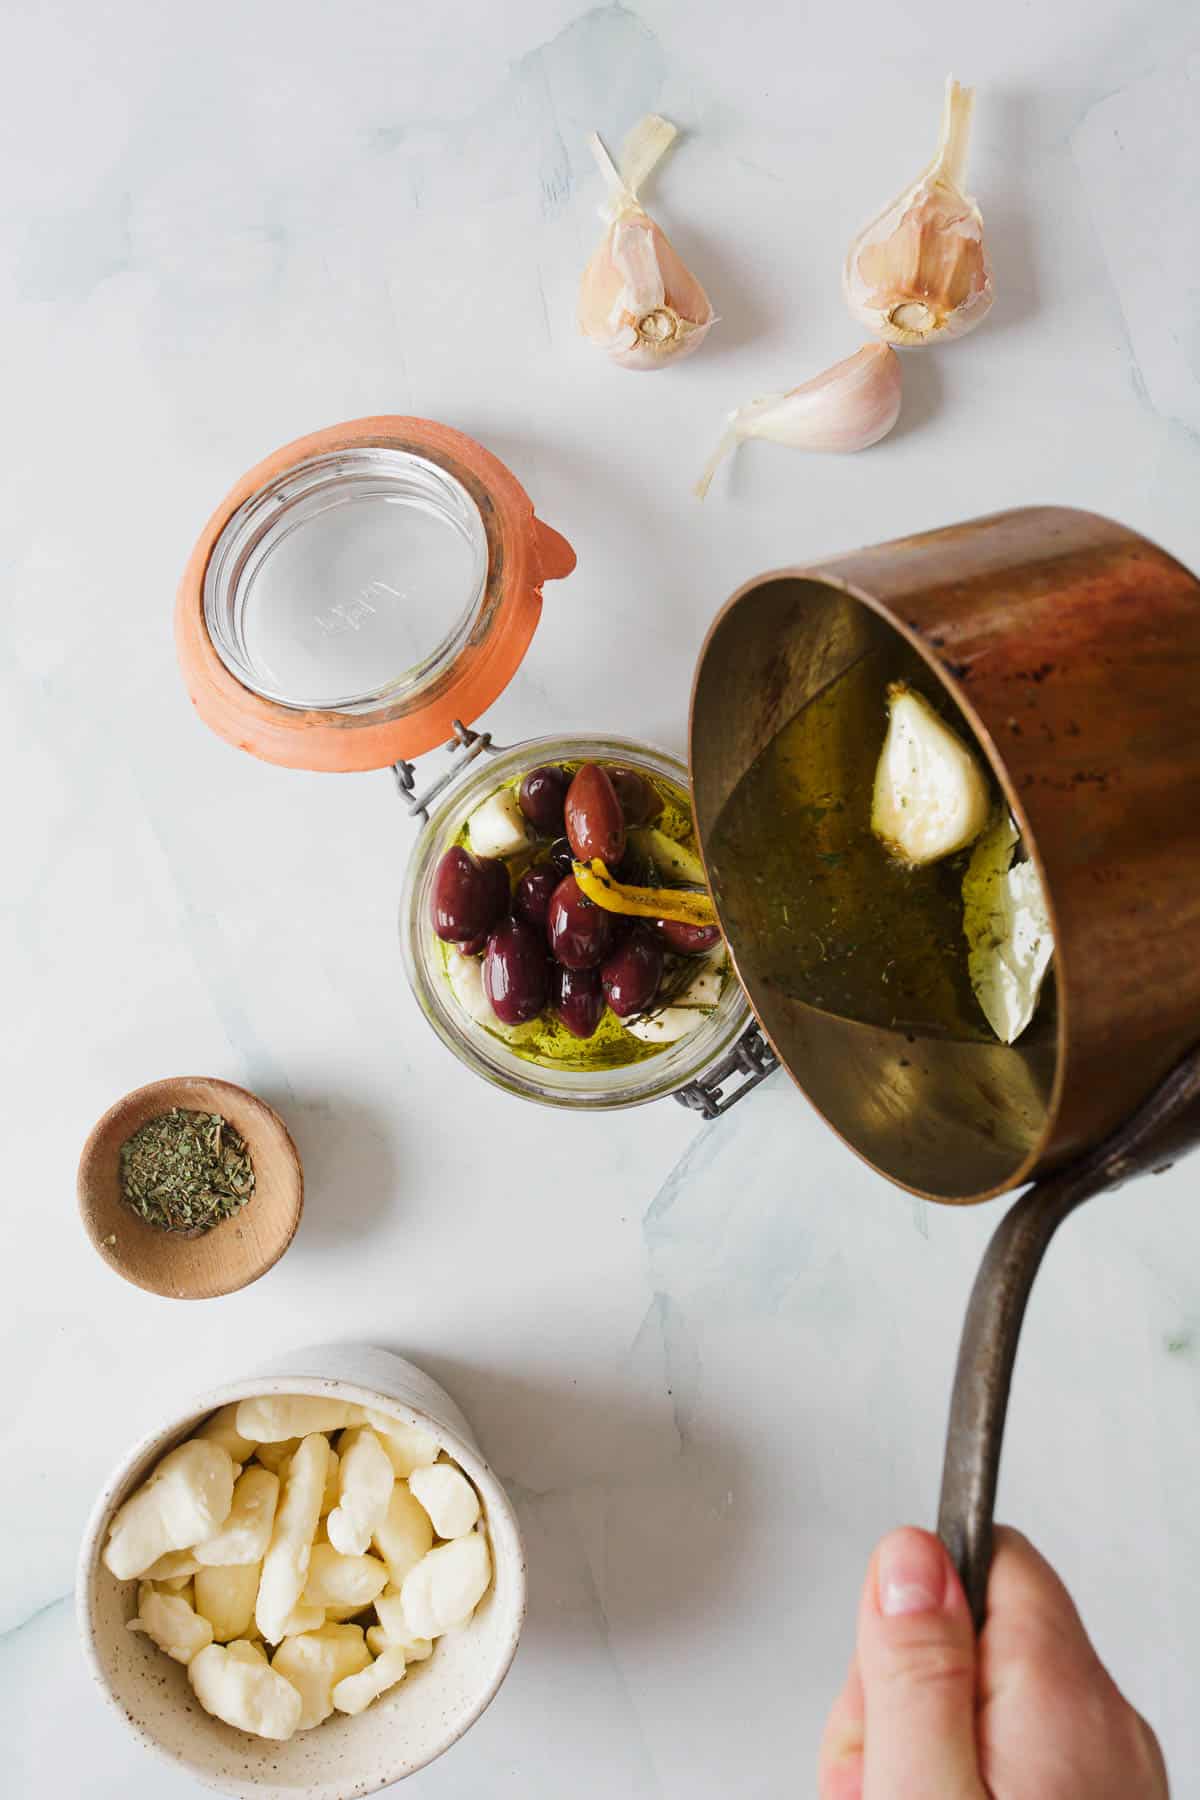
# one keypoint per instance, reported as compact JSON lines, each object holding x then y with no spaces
{"x":1071,"y":647}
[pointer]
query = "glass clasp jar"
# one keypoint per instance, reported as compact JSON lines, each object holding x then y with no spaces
{"x":359,"y":599}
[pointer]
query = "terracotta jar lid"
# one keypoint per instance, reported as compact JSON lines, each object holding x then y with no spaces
{"x":360,"y":590}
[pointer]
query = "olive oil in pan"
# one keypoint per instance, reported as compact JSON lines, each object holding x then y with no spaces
{"x":823,"y":912}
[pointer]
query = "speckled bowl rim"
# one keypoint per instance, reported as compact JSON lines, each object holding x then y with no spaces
{"x":496,"y":1504}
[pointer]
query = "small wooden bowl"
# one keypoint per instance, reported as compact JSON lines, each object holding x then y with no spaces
{"x":235,"y":1252}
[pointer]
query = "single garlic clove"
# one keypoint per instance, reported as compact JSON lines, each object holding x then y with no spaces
{"x":931,"y":796}
{"x":846,"y":408}
{"x":919,"y":273}
{"x":638,"y":300}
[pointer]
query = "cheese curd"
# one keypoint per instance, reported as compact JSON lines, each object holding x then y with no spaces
{"x":246,"y":1532}
{"x":356,"y":1692}
{"x":274,"y":1417}
{"x":285,"y":1566}
{"x":186,"y":1498}
{"x":235,"y":1683}
{"x":365,"y":1479}
{"x":226,"y":1597}
{"x":446,"y":1586}
{"x":448,"y":1498}
{"x":337,"y":1580}
{"x":316,"y":1663}
{"x":405,"y":1535}
{"x":345,"y":1564}
{"x":407,"y":1446}
{"x":169,"y":1621}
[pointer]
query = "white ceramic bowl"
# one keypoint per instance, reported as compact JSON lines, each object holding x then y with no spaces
{"x":404,"y":1730}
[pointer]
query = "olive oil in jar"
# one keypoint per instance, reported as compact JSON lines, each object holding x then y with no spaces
{"x":830,"y":917}
{"x":546,"y":1041}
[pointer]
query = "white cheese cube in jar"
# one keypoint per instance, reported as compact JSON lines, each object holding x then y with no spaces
{"x":498,"y":827}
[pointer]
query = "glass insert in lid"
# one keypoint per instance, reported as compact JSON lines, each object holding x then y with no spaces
{"x":348,"y":583}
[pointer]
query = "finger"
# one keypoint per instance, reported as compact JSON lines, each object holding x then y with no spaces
{"x":840,"y":1766}
{"x":916,"y":1654}
{"x":1031,"y":1618}
{"x":1035,"y":1653}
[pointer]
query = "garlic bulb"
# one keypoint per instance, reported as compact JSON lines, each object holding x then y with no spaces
{"x":931,"y":796}
{"x":637,"y":299}
{"x":848,"y":407}
{"x":919,"y":273}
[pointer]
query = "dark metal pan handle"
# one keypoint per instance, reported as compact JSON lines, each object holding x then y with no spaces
{"x":1166,"y":1123}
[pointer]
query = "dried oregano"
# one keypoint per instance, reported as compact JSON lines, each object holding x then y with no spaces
{"x":186,"y":1171}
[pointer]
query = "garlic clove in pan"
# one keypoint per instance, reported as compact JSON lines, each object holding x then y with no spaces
{"x":846,"y":408}
{"x":931,"y":796}
{"x":919,"y":273}
{"x":638,"y":300}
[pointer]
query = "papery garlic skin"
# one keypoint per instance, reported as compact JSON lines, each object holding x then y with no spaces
{"x":919,"y":273}
{"x":638,"y":300}
{"x":846,"y":408}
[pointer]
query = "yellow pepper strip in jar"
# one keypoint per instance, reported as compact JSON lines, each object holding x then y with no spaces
{"x":604,"y":890}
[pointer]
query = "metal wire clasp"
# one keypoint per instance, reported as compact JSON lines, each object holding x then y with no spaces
{"x":471,"y":743}
{"x":751,"y":1057}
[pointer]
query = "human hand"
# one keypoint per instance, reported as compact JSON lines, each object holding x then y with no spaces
{"x":1027,"y":1712}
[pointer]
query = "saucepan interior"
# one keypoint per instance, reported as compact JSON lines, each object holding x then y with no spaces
{"x":789,"y":716}
{"x":1065,"y":649}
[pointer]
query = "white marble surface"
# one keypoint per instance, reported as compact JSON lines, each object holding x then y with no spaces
{"x":712,"y":1363}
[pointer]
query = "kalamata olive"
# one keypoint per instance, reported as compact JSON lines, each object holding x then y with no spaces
{"x":559,"y":856}
{"x":516,"y":975}
{"x":631,"y":974}
{"x":641,"y":803}
{"x":534,"y":890}
{"x":580,"y":934}
{"x":577,"y":999}
{"x":543,"y":794}
{"x":687,"y":940}
{"x":469,"y":894}
{"x":495,"y":873}
{"x":473,"y":946}
{"x":595,"y":823}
